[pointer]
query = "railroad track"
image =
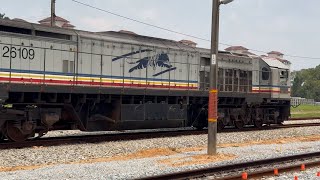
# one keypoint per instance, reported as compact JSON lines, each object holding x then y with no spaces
{"x":300,"y":119}
{"x":69,"y":140}
{"x":254,"y":169}
{"x":55,"y":141}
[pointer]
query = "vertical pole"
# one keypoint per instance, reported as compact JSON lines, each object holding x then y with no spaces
{"x":213,"y":91}
{"x":53,"y":12}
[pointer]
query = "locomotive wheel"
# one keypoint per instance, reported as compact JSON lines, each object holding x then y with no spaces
{"x":14,"y":134}
{"x":258,"y":124}
{"x":239,"y":124}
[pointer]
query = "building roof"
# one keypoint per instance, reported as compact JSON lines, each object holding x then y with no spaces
{"x":57,"y":18}
{"x":188,"y":42}
{"x":127,"y":32}
{"x":276,"y":53}
{"x":67,"y":25}
{"x":236,"y":48}
{"x":20,"y":20}
{"x":250,"y":53}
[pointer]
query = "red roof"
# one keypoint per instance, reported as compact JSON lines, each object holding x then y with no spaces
{"x":188,"y":42}
{"x":67,"y":25}
{"x":57,"y":18}
{"x":276,"y":53}
{"x":250,"y":53}
{"x":20,"y":20}
{"x":236,"y":48}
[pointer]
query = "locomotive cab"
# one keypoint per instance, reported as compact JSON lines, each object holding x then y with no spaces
{"x":280,"y":79}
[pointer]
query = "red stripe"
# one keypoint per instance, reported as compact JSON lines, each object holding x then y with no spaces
{"x":89,"y":83}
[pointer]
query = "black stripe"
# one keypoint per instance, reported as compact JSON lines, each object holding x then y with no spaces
{"x":171,"y":69}
{"x":129,"y":54}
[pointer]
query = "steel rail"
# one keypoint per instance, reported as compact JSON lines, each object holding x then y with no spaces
{"x":304,"y":118}
{"x":69,"y":140}
{"x":238,"y":168}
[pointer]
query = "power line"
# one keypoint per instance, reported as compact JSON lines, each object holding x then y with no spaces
{"x":184,"y":34}
{"x":138,"y":21}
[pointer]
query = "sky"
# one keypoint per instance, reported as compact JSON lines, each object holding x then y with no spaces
{"x":289,"y":26}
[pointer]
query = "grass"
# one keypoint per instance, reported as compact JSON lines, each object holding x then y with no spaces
{"x":305,"y":111}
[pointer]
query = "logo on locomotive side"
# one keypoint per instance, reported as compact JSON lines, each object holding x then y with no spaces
{"x":154,"y":61}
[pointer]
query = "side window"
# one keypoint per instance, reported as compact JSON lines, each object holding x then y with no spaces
{"x":67,"y":66}
{"x":265,"y":74}
{"x":284,"y":74}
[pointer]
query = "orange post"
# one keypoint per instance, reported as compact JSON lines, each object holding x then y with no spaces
{"x":318,"y":174}
{"x":244,"y":176}
{"x":276,"y":172}
{"x":296,"y":178}
{"x":303,"y":167}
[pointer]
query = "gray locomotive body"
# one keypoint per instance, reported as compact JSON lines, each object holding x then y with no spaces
{"x":52,"y":78}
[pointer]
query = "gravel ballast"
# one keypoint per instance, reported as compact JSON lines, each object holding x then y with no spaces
{"x":117,"y":160}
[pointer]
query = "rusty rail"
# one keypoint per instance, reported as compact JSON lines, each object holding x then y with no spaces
{"x":254,"y":166}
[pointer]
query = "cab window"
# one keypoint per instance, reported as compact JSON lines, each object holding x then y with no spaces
{"x":284,"y":74}
{"x":265,"y":74}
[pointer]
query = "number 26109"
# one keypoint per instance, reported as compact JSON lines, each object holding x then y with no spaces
{"x":20,"y":52}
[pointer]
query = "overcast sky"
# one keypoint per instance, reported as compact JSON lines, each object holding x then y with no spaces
{"x":288,"y":26}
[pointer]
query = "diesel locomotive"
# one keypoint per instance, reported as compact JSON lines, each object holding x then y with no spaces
{"x":61,"y":79}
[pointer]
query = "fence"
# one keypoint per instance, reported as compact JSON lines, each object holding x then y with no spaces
{"x":296,"y":101}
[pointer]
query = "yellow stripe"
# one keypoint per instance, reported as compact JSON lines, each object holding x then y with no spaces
{"x":109,"y":80}
{"x":214,"y":91}
{"x":212,"y":120}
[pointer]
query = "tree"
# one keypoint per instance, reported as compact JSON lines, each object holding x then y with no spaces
{"x":306,"y":83}
{"x":3,"y":16}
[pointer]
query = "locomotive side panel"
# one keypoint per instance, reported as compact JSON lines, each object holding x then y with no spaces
{"x":96,"y":61}
{"x":84,"y":76}
{"x":194,"y":65}
{"x":107,"y":65}
{"x":59,"y":59}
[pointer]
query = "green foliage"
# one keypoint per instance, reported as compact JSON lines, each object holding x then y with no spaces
{"x":3,"y":16}
{"x":307,"y":83}
{"x":305,"y":111}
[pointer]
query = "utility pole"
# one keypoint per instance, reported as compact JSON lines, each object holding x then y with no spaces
{"x":53,"y":13}
{"x":213,"y":91}
{"x":213,"y":78}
